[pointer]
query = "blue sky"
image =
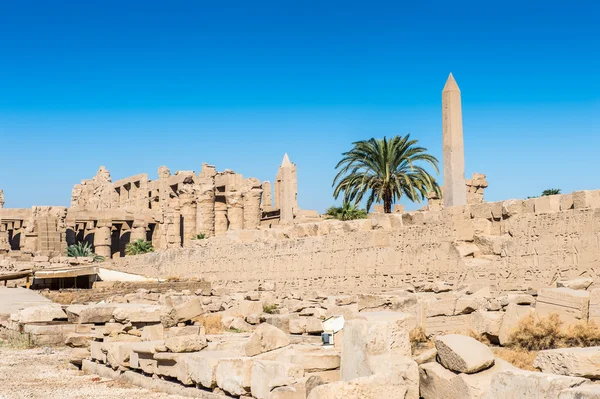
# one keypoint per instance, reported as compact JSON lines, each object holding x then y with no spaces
{"x":135,"y":85}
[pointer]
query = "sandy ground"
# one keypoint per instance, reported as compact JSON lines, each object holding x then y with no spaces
{"x":43,"y":373}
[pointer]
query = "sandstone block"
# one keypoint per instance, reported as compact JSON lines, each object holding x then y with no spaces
{"x":306,"y":325}
{"x":581,"y":283}
{"x":266,"y":338}
{"x":234,"y":375}
{"x":585,"y":391}
{"x":488,"y":324}
{"x":137,"y":313}
{"x":463,"y":354}
{"x":376,"y":333}
{"x":443,"y":324}
{"x":594,"y":308}
{"x":186,"y":343}
{"x":77,"y":355}
{"x":280,"y":321}
{"x":575,"y":362}
{"x":298,"y":388}
{"x":547,"y":204}
{"x":528,"y":384}
{"x":39,"y":314}
{"x":360,"y":388}
{"x":571,"y":305}
{"x":202,"y":366}
{"x":586,"y":199}
{"x":264,"y":372}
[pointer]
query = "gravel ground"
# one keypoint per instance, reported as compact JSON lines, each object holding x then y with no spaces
{"x":43,"y":373}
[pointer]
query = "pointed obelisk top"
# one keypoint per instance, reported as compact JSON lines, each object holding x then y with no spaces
{"x":451,"y":84}
{"x":286,"y":161}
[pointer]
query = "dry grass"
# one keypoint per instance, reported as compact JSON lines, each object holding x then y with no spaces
{"x":517,"y":357}
{"x":212,"y":323}
{"x":270,"y":309}
{"x":418,"y":339}
{"x":542,"y":333}
{"x":16,"y":341}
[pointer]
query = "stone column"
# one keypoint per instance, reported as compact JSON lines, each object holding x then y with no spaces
{"x":286,"y":189}
{"x":221,"y":222}
{"x":455,"y":192}
{"x":188,"y":214}
{"x":173,"y":225}
{"x":267,"y":199}
{"x":252,"y":193}
{"x":205,"y":208}
{"x":138,"y":230}
{"x":102,"y":239}
{"x":1,"y":199}
{"x":235,"y":210}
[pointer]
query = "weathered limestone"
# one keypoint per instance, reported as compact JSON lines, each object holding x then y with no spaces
{"x":575,"y":362}
{"x":455,"y":192}
{"x":527,"y":384}
{"x":586,"y":391}
{"x":360,"y":388}
{"x":202,"y":366}
{"x":463,"y":354}
{"x":186,"y":343}
{"x":475,"y":188}
{"x":576,"y":284}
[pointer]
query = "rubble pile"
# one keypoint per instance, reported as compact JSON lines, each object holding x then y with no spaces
{"x":267,"y":344}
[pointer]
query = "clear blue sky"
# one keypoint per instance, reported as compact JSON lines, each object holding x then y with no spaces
{"x":135,"y":85}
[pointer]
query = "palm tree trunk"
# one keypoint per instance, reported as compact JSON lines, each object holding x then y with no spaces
{"x":387,"y":202}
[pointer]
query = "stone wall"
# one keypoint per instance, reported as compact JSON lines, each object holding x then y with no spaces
{"x":511,"y":244}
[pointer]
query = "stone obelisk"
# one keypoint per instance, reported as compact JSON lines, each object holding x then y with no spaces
{"x":455,"y":191}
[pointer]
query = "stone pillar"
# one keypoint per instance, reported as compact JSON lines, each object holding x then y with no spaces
{"x":187,"y":203}
{"x":205,"y":207}
{"x":251,"y":199}
{"x":138,"y":230}
{"x":235,"y":210}
{"x":221,"y":222}
{"x":173,"y":226}
{"x":287,"y":190}
{"x":267,"y":200}
{"x":102,"y":239}
{"x":1,"y":199}
{"x":475,"y":188}
{"x":455,"y":192}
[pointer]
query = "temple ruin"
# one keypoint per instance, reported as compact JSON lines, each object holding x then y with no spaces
{"x":169,"y":212}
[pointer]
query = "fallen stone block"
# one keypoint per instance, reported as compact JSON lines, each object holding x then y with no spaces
{"x":581,"y":283}
{"x":153,"y":332}
{"x":396,"y":303}
{"x":487,"y":324}
{"x":594,"y":309}
{"x":234,"y":375}
{"x":280,"y":321}
{"x":306,"y":325}
{"x":39,"y":314}
{"x":202,"y":366}
{"x":172,"y":365}
{"x":575,"y":362}
{"x":266,"y":338}
{"x":299,"y":388}
{"x":443,"y":324}
{"x":374,"y":334}
{"x":266,"y":371}
{"x":571,"y":305}
{"x":138,"y":313}
{"x":172,"y":315}
{"x":75,"y":340}
{"x":186,"y":343}
{"x":529,"y":384}
{"x":463,"y":354}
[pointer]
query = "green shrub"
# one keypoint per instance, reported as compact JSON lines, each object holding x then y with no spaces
{"x":138,"y":247}
{"x":200,"y":236}
{"x":83,"y":250}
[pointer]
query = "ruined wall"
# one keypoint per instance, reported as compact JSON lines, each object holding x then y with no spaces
{"x":512,"y":243}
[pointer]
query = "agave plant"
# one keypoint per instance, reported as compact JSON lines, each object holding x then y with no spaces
{"x":83,"y":250}
{"x":138,"y":247}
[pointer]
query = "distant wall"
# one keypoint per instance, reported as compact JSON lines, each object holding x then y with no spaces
{"x":513,"y":244}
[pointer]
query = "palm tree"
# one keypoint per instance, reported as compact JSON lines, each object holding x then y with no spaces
{"x":347,"y":211}
{"x":551,"y":191}
{"x":385,"y":170}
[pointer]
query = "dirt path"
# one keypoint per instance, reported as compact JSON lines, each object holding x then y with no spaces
{"x":43,"y":373}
